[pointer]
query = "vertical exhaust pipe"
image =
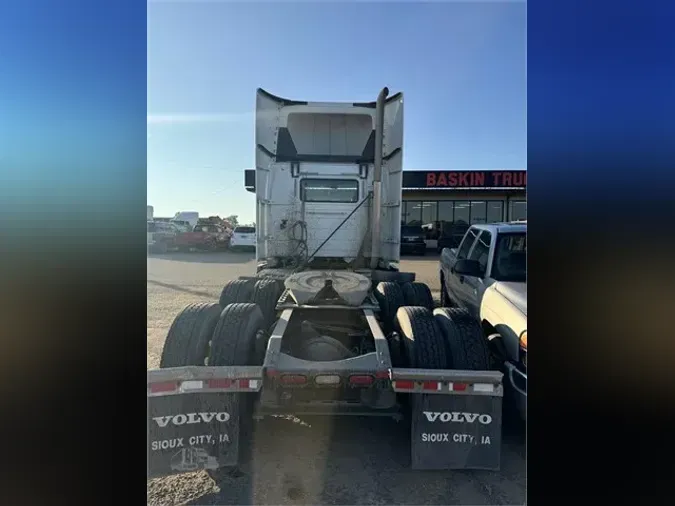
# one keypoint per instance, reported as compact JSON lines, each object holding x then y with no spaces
{"x":377,"y":178}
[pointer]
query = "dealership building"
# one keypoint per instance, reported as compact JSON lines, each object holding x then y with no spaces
{"x":443,"y":198}
{"x":438,"y":200}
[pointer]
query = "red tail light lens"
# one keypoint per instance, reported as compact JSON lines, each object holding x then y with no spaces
{"x":293,"y":379}
{"x":361,"y":380}
{"x":166,"y":386}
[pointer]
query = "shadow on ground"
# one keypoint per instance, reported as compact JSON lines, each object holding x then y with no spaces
{"x":179,"y":288}
{"x":206,"y":257}
{"x":362,"y":461}
{"x":431,"y":255}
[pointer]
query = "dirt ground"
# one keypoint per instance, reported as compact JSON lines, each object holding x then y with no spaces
{"x":344,"y":461}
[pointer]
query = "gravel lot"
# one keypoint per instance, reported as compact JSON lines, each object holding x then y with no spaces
{"x":344,"y":461}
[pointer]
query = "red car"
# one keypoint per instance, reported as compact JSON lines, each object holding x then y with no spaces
{"x":204,"y":237}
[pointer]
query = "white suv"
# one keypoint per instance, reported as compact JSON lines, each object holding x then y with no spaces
{"x":243,"y":238}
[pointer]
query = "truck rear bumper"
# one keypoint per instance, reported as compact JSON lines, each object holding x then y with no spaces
{"x":198,"y":416}
{"x":329,"y":409}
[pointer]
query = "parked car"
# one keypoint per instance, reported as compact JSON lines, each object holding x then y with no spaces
{"x":451,"y":235}
{"x":161,"y":236}
{"x":413,"y":240}
{"x":487,"y":275}
{"x":243,"y":238}
{"x":203,"y":237}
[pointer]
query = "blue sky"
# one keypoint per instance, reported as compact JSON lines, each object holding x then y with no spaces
{"x":461,"y":66}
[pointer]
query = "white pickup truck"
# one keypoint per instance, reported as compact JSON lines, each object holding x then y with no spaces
{"x":487,"y":275}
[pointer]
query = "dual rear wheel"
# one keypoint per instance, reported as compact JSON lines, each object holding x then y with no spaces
{"x":233,"y":332}
{"x":421,"y":336}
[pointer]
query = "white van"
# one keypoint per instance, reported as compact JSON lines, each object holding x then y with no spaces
{"x":192,"y":217}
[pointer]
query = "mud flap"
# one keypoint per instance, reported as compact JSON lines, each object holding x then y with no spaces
{"x":192,"y":432}
{"x":456,"y":432}
{"x":200,"y":430}
{"x":456,"y":417}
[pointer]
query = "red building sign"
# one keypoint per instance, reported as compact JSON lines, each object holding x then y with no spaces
{"x":465,"y":179}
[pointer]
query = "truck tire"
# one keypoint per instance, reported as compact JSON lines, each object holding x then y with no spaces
{"x":392,"y":276}
{"x":423,"y":341}
{"x":233,"y":340}
{"x":266,"y":293}
{"x":187,"y":342}
{"x":389,"y":297}
{"x":467,"y":346}
{"x":279,"y":274}
{"x":418,"y":294}
{"x":234,"y":343}
{"x":237,"y":290}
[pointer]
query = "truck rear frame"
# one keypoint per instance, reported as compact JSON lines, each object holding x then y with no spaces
{"x":320,"y":335}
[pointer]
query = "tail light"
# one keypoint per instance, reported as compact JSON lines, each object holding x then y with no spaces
{"x":361,"y":380}
{"x":327,"y":380}
{"x":404,"y":384}
{"x":165,"y":386}
{"x":293,"y":379}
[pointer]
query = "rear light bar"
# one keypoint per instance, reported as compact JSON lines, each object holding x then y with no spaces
{"x":403,"y":385}
{"x":209,"y":385}
{"x":327,"y":379}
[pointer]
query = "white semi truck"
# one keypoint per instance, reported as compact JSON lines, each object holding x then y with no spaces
{"x":328,"y":325}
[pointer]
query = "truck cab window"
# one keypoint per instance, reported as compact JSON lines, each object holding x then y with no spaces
{"x":481,"y":251}
{"x":329,"y":190}
{"x":468,"y":241}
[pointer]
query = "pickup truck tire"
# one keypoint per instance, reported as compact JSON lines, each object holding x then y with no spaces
{"x":465,"y":340}
{"x":417,"y":294}
{"x":234,"y":343}
{"x":237,"y":290}
{"x":188,"y":340}
{"x":389,"y":297}
{"x":423,"y":341}
{"x":266,"y":293}
{"x":445,"y":298}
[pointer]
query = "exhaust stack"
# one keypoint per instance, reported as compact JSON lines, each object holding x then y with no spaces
{"x":377,"y":178}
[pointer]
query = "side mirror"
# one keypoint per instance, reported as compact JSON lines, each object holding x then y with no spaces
{"x":466,"y":267}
